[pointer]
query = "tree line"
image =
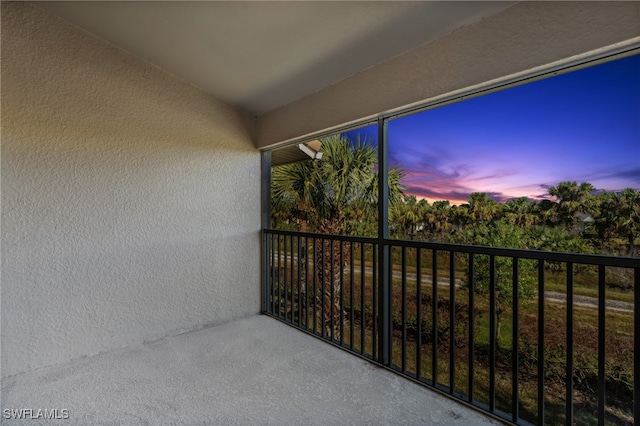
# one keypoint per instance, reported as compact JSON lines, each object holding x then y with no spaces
{"x":339,"y":195}
{"x":581,"y":220}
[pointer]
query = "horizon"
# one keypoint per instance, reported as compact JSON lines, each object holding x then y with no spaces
{"x":581,"y":126}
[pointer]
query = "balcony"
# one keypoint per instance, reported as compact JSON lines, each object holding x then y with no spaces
{"x":261,"y":370}
{"x":136,"y":264}
{"x":254,"y":371}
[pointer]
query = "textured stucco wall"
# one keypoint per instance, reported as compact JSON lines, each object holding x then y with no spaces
{"x":525,"y":36}
{"x":130,"y":199}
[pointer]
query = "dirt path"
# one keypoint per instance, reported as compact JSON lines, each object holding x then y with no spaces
{"x":592,"y":302}
{"x":551,"y":296}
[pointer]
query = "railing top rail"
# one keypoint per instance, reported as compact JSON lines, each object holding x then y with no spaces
{"x":366,"y":240}
{"x":551,"y":256}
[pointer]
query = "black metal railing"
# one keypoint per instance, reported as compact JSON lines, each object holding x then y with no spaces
{"x":531,"y":337}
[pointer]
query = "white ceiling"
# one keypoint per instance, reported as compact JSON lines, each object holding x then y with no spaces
{"x":260,"y":55}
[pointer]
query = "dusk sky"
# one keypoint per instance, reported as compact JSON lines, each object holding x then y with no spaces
{"x":581,"y":126}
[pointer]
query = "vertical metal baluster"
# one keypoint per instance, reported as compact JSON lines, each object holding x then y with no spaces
{"x":291,"y":279}
{"x":285,"y":282}
{"x":341,"y":313}
{"x":419,"y":312}
{"x":492,"y":333}
{"x":284,"y":275}
{"x":452,"y":319}
{"x":300,"y":258}
{"x":285,"y":267}
{"x":322,"y":283}
{"x":541,"y":342}
{"x":315,"y":285}
{"x":280,"y":277}
{"x":374,"y":335}
{"x":569,"y":355}
{"x":306,"y":282}
{"x":601,"y":345}
{"x":388,"y":330}
{"x":363,"y":320}
{"x":636,"y":346}
{"x":471,"y":325}
{"x":331,"y":287}
{"x":266,"y":268}
{"x":434,"y":318}
{"x":273,"y":275}
{"x":351,"y":290}
{"x":403,"y":290}
{"x":514,"y":339}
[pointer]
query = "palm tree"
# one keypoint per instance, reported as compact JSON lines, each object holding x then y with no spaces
{"x":608,"y":208}
{"x":294,"y":193}
{"x":547,"y":213}
{"x":439,"y":216}
{"x":460,"y":216}
{"x":628,"y":217}
{"x":408,"y":215}
{"x":321,"y":195}
{"x":482,"y":207}
{"x":572,"y":199}
{"x":519,"y":211}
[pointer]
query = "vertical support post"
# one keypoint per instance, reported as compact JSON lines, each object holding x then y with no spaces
{"x":384,"y":296}
{"x":265,"y":201}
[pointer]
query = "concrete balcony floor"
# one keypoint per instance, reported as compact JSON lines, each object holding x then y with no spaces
{"x":254,"y":371}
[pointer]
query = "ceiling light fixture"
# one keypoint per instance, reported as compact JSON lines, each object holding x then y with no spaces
{"x":315,"y":155}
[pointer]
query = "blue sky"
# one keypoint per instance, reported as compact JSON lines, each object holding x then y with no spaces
{"x":580,"y":126}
